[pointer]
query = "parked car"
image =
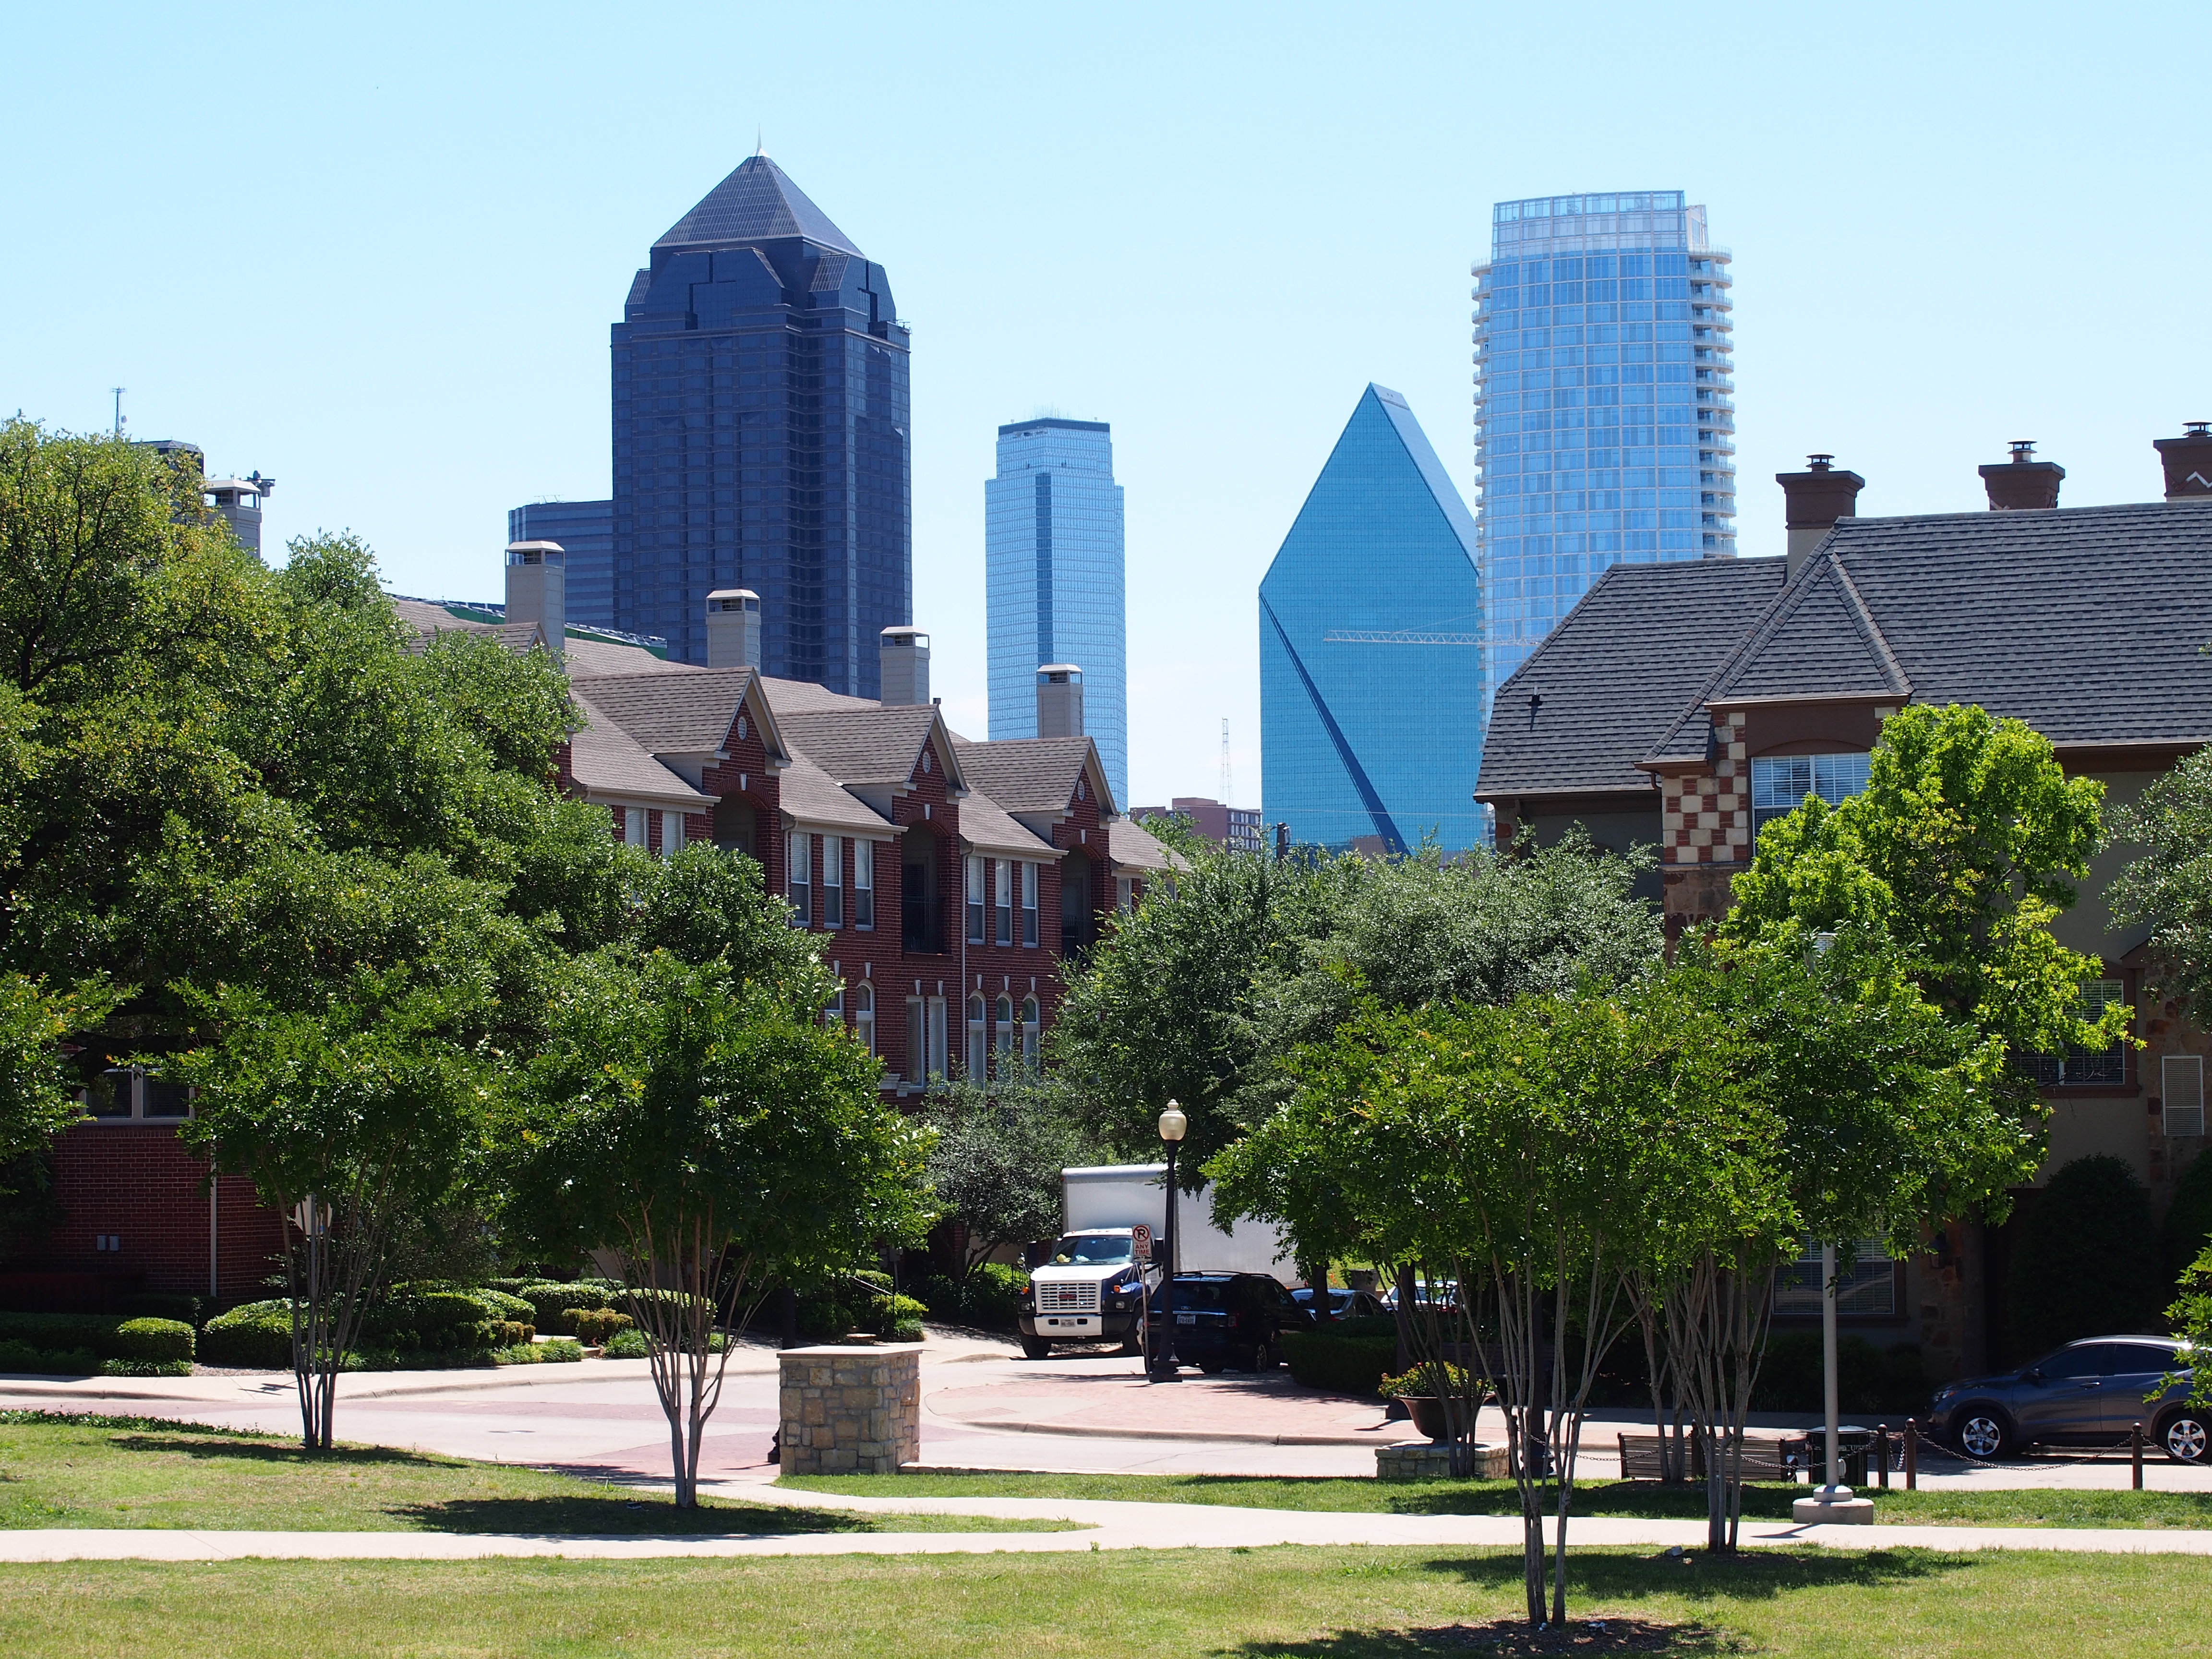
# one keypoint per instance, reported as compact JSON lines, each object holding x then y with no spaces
{"x":1230,"y":1321}
{"x":1342,"y":1304}
{"x":2090,"y":1393}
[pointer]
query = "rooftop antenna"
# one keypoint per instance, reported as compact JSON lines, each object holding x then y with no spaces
{"x":760,"y":144}
{"x":1227,"y":798}
{"x":118,"y":391}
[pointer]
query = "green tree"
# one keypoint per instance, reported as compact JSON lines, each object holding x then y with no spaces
{"x":995,"y":1163}
{"x":2088,"y":1261}
{"x":2168,"y":885}
{"x":2187,"y":1229}
{"x":1966,"y":841}
{"x":710,"y":1133}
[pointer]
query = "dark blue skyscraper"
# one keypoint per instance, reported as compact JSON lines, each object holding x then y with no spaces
{"x":1371,"y":711}
{"x":760,"y":435}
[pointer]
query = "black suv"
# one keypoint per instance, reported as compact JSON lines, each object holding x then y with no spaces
{"x":1225,"y":1321}
{"x":2090,"y":1393}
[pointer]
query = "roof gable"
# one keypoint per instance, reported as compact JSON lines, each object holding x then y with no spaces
{"x":874,"y":744}
{"x":1818,"y":639}
{"x":691,"y":714}
{"x":1037,"y":775}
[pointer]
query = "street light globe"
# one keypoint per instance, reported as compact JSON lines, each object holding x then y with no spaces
{"x":1173,"y":1123}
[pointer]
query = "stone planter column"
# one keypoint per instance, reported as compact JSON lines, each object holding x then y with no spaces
{"x":851,"y":1410}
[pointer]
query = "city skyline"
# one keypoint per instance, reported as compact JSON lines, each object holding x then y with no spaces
{"x":1605,"y":426}
{"x":1054,"y":581}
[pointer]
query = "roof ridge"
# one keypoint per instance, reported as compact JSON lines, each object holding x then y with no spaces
{"x":1899,"y":681}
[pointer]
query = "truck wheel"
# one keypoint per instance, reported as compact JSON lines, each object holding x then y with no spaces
{"x":1035,"y":1347}
{"x":1133,"y":1343}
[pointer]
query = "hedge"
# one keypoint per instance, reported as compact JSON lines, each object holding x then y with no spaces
{"x":593,"y":1326}
{"x":548,"y":1302}
{"x":21,"y":1356}
{"x":989,"y":1298}
{"x":105,"y":1336}
{"x":258,"y":1335}
{"x":1869,"y":1381}
{"x":1341,"y":1364}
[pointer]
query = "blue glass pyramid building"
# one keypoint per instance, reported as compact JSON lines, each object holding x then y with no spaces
{"x":1371,"y":710}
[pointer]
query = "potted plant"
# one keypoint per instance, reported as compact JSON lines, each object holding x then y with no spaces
{"x":1422,"y":1391}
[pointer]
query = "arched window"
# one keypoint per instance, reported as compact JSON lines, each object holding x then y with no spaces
{"x":832,"y":1012}
{"x":1005,"y":1034}
{"x":863,"y":1015}
{"x":979,"y":1056}
{"x":1029,"y":1032}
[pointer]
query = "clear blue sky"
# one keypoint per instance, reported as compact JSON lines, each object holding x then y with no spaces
{"x":375,"y":255}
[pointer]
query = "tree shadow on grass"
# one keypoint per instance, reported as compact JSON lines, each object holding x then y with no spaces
{"x":1606,"y":1581}
{"x":289,"y":1452}
{"x":622,"y":1515}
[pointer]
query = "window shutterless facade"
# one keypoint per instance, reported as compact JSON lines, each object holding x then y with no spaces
{"x":833,"y":881}
{"x":2080,"y":1068}
{"x":917,"y":1040}
{"x":2181,"y":1080}
{"x":975,"y":876}
{"x":634,"y":826}
{"x":798,"y":849}
{"x":863,"y":1015}
{"x":863,"y":884}
{"x":1866,"y":1282}
{"x":1779,"y":783}
{"x":1007,"y":1035}
{"x":832,"y":1012}
{"x":126,"y":1094}
{"x":1031,"y":1032}
{"x":1002,"y":891}
{"x":1030,"y":904}
{"x":937,"y":1049}
{"x":672,"y":834}
{"x":978,"y":1060}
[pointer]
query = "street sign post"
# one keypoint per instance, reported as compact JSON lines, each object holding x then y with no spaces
{"x":1142,"y":1241}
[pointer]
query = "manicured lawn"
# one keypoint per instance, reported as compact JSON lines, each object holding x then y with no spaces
{"x":126,"y":1471}
{"x":1301,"y":1603}
{"x":2040,"y":1508}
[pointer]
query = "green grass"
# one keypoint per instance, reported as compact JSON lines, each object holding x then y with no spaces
{"x":128,"y":1472}
{"x":2043,"y":1507}
{"x":1294,"y":1603}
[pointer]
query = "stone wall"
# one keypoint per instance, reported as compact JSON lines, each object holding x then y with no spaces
{"x":851,"y":1410}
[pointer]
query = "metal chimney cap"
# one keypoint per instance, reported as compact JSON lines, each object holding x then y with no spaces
{"x":732,"y":599}
{"x":1058,"y":672}
{"x":2197,"y":429}
{"x":1820,"y":463}
{"x":2023,"y":449}
{"x":907,"y":636}
{"x":533,"y":552}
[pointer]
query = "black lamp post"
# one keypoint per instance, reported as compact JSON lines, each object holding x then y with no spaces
{"x":1173,"y":1126}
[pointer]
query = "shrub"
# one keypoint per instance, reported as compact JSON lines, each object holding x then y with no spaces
{"x":21,"y":1357}
{"x":898,"y":1318}
{"x":185,"y":1309}
{"x":593,"y":1326}
{"x":102,"y":1335}
{"x":145,"y":1367}
{"x":1430,"y":1379}
{"x":2087,"y":1261}
{"x":548,"y":1302}
{"x":1869,"y":1381}
{"x":258,"y":1335}
{"x":153,"y":1341}
{"x":558,"y":1351}
{"x":628,"y":1345}
{"x":501,"y":1305}
{"x":2188,"y":1226}
{"x":989,"y":1299}
{"x":1341,"y":1364}
{"x":1370,"y":1327}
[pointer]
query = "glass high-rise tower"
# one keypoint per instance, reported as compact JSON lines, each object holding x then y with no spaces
{"x":760,"y":435}
{"x":1053,"y":581}
{"x":1370,"y":648}
{"x":1604,"y":420}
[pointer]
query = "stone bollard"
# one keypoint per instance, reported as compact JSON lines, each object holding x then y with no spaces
{"x":851,"y":1410}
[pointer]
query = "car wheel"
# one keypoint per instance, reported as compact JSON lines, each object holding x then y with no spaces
{"x":2183,"y":1436}
{"x":1034,"y":1348}
{"x":1982,"y":1433}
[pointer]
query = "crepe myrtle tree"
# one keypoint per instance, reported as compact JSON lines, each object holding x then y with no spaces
{"x":1521,"y":1156}
{"x":708,"y":1132}
{"x":346,"y":1117}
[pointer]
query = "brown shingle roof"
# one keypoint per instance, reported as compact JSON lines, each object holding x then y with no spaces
{"x":1032,"y":775}
{"x":609,"y":764}
{"x":868,"y":744}
{"x":812,"y":798}
{"x":672,"y":713}
{"x":1136,"y":848}
{"x":989,"y":828}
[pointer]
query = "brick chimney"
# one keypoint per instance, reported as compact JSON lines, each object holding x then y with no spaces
{"x":2188,"y":461}
{"x":905,"y":660}
{"x":537,"y":589}
{"x":1813,"y":499}
{"x":2023,"y":482}
{"x":733,"y":629}
{"x":1060,"y":701}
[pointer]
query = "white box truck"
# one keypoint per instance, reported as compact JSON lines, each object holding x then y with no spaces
{"x":1091,"y":1288}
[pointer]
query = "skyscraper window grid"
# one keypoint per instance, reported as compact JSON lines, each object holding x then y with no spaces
{"x":1605,"y":418}
{"x":1052,"y":578}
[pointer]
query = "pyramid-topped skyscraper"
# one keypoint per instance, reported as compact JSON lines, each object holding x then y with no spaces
{"x":760,"y":435}
{"x":1370,"y":648}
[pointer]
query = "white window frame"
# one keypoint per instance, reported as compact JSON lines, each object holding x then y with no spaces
{"x":917,"y":1041}
{"x":1032,"y":1030}
{"x":833,"y":881}
{"x":1002,"y":894}
{"x":1866,"y":1286}
{"x":864,"y":1015}
{"x":1835,"y":778}
{"x":672,"y":834}
{"x":1030,"y":885}
{"x":636,"y":831}
{"x":978,"y":1062}
{"x":1007,"y":1033}
{"x":863,"y":884}
{"x":797,"y":877}
{"x":976,"y":892}
{"x":2181,"y":1094}
{"x":938,"y":1057}
{"x":832,"y":1012}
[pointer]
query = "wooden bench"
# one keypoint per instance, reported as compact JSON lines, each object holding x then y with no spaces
{"x":1763,"y":1459}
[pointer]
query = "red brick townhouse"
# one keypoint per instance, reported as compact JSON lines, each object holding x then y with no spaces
{"x":1681,"y":706}
{"x":948,"y":878}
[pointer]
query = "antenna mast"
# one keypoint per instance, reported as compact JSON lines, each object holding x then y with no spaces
{"x":1228,"y":796}
{"x":118,"y":391}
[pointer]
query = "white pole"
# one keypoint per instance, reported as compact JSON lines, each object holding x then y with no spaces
{"x":1835,"y":1486}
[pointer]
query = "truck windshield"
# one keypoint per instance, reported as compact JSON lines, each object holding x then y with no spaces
{"x":1076,"y":1251}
